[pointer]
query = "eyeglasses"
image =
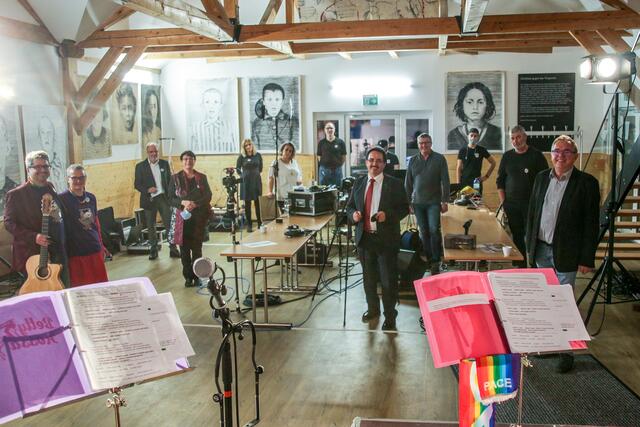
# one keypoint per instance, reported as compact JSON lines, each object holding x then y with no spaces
{"x":375,"y":160}
{"x":40,"y":167}
{"x":77,"y":178}
{"x":563,"y":152}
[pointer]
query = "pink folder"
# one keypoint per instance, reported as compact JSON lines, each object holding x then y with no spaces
{"x":471,"y":330}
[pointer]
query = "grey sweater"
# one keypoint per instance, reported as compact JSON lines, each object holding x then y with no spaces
{"x":427,"y":181}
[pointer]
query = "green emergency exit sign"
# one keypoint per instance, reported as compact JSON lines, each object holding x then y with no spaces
{"x":369,"y":100}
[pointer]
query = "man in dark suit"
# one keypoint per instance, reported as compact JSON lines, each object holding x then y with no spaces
{"x":377,"y":205}
{"x":152,"y":181}
{"x":563,"y":219}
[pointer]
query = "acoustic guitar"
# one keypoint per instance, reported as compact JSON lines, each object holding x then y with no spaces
{"x":41,"y":275}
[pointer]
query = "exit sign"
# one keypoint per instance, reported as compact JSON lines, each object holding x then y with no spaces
{"x":369,"y":100}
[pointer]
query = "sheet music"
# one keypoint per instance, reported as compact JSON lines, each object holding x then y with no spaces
{"x":533,"y":314}
{"x":164,"y":318}
{"x":116,"y":335}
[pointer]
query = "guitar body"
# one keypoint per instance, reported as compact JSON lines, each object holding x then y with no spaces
{"x":37,"y":283}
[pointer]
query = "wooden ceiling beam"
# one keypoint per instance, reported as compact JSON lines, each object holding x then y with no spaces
{"x":202,"y":47}
{"x":617,"y":4}
{"x":512,"y":44}
{"x":231,"y":53}
{"x":585,"y":38}
{"x":157,"y":37}
{"x":99,"y":72}
{"x":25,"y":4}
{"x":614,"y":40}
{"x":270,"y":12}
{"x":216,"y":12}
{"x":508,"y":50}
{"x":123,"y":12}
{"x":347,"y":29}
{"x":364,"y":46}
{"x":529,"y":36}
{"x":231,"y":8}
{"x":571,"y":21}
{"x":24,"y":31}
{"x":108,"y":88}
{"x":288,"y":12}
{"x":182,"y":14}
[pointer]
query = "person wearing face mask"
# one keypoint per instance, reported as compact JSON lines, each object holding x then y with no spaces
{"x":289,"y":174}
{"x":470,"y":157}
{"x":516,"y":174}
{"x":270,"y":109}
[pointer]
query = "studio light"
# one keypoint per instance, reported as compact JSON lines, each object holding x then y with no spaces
{"x":609,"y":68}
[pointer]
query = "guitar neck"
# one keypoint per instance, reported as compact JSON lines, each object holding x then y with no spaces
{"x":44,"y":251}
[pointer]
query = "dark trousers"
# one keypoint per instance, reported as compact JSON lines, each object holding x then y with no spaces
{"x":189,"y":252}
{"x":247,"y":210}
{"x":379,"y":265}
{"x":158,"y":204}
{"x":517,"y":217}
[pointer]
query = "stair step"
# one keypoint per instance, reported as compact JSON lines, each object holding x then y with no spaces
{"x":621,"y":246}
{"x":628,"y":212}
{"x":628,"y":256}
{"x":632,"y":199}
{"x":627,"y":224}
{"x":624,"y":236}
{"x":636,"y":185}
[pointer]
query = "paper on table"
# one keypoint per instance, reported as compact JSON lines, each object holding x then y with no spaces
{"x":116,"y":341}
{"x":259,"y":244}
{"x":570,"y":319}
{"x":529,"y":315}
{"x":171,"y":335}
{"x":457,"y":301}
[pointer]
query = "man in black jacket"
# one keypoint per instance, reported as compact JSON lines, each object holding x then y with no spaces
{"x":563,"y":219}
{"x":152,"y":181}
{"x":377,"y":205}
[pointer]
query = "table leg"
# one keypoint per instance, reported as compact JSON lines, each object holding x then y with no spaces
{"x":253,"y":289}
{"x":264,"y":290}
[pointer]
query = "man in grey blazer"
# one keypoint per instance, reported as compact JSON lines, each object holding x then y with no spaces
{"x":152,"y":181}
{"x":377,"y":204}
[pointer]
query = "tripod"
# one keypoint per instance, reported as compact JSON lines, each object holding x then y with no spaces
{"x":603,"y":276}
{"x":224,"y":395}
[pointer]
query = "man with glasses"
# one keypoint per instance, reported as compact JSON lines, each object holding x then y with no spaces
{"x":377,"y":206}
{"x":23,"y":216}
{"x":332,"y":153}
{"x":427,"y":184}
{"x":152,"y":181}
{"x":516,"y":174}
{"x":562,"y":223}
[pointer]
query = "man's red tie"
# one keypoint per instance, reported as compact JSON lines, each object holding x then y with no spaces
{"x":367,"y":205}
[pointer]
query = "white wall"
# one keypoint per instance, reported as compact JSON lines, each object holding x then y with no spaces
{"x":427,"y":71}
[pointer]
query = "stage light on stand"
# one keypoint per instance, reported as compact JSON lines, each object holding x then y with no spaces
{"x":608,"y":68}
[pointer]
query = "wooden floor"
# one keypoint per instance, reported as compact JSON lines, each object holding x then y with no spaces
{"x":318,"y":374}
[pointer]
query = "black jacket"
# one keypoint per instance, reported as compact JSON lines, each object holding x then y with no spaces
{"x":144,"y":180}
{"x":575,"y":238}
{"x":393,"y":202}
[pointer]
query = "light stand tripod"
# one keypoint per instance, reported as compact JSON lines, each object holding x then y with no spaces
{"x":604,"y":275}
{"x":205,"y":268}
{"x":276,"y":168}
{"x":230,"y":184}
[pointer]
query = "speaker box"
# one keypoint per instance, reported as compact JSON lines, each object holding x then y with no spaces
{"x":410,"y":267}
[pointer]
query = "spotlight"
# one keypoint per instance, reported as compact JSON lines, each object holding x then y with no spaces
{"x":610,"y":68}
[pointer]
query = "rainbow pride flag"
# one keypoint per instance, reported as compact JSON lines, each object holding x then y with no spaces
{"x":484,"y":381}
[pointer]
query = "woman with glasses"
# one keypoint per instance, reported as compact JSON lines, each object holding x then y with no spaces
{"x":82,"y":229}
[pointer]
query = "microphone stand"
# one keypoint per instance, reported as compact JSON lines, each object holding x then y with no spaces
{"x":224,"y":395}
{"x":276,"y":168}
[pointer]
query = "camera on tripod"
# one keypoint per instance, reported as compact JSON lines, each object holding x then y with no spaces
{"x":229,"y":181}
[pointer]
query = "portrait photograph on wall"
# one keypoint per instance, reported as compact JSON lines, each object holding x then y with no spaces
{"x":125,"y":114}
{"x":151,"y":114}
{"x":212,"y":116}
{"x":475,"y":100}
{"x":45,"y":128}
{"x":96,"y":139}
{"x":12,"y":157}
{"x":274,"y":101}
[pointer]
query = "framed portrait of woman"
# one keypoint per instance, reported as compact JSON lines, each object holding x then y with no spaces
{"x":475,"y":100}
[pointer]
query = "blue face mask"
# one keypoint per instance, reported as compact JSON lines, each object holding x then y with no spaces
{"x":185,"y":214}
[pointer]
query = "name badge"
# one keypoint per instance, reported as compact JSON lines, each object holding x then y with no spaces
{"x":477,"y":155}
{"x":526,"y":170}
{"x":335,"y":146}
{"x":161,"y":170}
{"x":248,"y":160}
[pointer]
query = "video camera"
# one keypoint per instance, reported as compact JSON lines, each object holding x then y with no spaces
{"x":347,"y":184}
{"x":229,"y":181}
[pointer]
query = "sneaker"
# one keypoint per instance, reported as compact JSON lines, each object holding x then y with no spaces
{"x":189,"y":283}
{"x":389,"y":325}
{"x":435,"y":268}
{"x":174,"y":252}
{"x":153,"y":255}
{"x":370,"y":315}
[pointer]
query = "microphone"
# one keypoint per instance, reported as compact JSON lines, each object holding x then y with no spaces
{"x":205,"y":268}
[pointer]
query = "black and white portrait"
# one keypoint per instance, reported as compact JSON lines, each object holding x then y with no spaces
{"x":124,"y":113}
{"x":275,"y":104}
{"x":212,"y":116}
{"x":45,"y":128}
{"x":96,"y":139}
{"x":151,"y":117}
{"x":475,"y":100}
{"x":11,"y":158}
